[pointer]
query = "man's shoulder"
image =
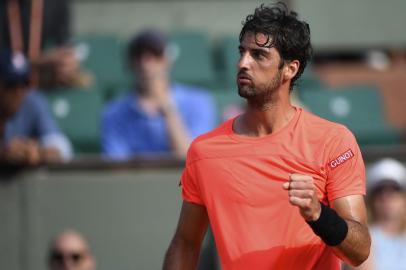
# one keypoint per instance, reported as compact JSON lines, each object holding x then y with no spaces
{"x":316,"y":124}
{"x":34,"y":99}
{"x":207,"y":143}
{"x":116,"y":107}
{"x":192,"y":92}
{"x":35,"y":106}
{"x":333,"y":138}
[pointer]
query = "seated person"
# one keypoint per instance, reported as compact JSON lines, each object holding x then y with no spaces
{"x":387,"y":202}
{"x":28,"y":134}
{"x":158,"y":116}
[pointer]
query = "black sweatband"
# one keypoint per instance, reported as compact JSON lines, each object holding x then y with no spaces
{"x":330,"y":227}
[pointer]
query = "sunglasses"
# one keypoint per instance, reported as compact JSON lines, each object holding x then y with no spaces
{"x":61,"y":258}
{"x":386,"y":189}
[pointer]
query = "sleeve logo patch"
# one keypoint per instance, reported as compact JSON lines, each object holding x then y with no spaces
{"x":341,"y":159}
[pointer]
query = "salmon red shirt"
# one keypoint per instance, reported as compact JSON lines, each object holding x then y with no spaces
{"x":239,"y":181}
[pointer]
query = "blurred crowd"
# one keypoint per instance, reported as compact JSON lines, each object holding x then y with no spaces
{"x":157,"y":116}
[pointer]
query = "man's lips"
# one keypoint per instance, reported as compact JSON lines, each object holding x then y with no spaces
{"x":243,"y":79}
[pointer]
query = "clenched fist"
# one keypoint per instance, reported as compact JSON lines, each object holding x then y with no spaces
{"x":302,"y":193}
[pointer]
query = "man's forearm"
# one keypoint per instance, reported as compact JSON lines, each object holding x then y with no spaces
{"x":356,"y":246}
{"x":178,"y":135}
{"x":181,"y":256}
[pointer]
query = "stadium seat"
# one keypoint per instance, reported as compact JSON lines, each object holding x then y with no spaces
{"x":103,"y":56}
{"x":360,"y":108}
{"x":77,"y":112}
{"x":192,"y":57}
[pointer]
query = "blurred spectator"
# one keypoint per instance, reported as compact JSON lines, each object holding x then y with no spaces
{"x":387,"y":201}
{"x":60,"y":67}
{"x":28,"y":134}
{"x":157,"y":116}
{"x":55,"y":27}
{"x":70,"y":251}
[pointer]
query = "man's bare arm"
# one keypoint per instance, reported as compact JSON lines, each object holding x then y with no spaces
{"x":178,"y":135}
{"x":183,"y":252}
{"x":356,"y":246}
{"x":369,"y":264}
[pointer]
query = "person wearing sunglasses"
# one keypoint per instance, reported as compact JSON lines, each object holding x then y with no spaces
{"x":387,"y":204}
{"x":70,"y":251}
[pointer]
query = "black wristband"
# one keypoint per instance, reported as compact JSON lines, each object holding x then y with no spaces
{"x":330,"y":227}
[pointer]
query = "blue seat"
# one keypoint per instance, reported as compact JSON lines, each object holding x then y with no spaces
{"x":360,"y":108}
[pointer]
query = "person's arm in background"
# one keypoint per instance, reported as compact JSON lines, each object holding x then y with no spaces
{"x":54,"y":146}
{"x":35,"y":137}
{"x":179,"y":136}
{"x":17,"y":151}
{"x":183,"y":252}
{"x":201,"y":116}
{"x":20,"y":151}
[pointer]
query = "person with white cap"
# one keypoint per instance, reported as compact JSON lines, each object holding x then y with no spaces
{"x":386,"y":181}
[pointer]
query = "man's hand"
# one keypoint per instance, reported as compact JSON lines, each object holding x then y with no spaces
{"x":354,"y":249}
{"x":302,"y":193}
{"x":14,"y":152}
{"x":33,"y":152}
{"x":22,"y":151}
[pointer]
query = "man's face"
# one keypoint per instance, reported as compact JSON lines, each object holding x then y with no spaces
{"x":259,"y":72}
{"x":11,"y":98}
{"x":149,"y":65}
{"x":389,"y":204}
{"x":70,"y":252}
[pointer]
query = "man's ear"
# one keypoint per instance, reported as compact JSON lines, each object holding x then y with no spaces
{"x":290,"y":69}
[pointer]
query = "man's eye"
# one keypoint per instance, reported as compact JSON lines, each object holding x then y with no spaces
{"x":257,"y":55}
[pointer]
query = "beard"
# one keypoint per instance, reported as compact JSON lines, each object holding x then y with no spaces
{"x":262,"y":93}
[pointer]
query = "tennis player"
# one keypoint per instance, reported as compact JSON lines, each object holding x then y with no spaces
{"x":280,"y":187}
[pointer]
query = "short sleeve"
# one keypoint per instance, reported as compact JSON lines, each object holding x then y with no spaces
{"x":45,"y":124}
{"x":345,"y":167}
{"x":190,"y":186}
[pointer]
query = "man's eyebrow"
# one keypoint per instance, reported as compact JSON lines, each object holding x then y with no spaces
{"x":255,"y":49}
{"x":263,"y":50}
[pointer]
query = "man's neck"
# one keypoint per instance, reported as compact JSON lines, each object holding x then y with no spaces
{"x":258,"y":121}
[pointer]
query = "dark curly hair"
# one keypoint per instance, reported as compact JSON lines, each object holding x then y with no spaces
{"x":288,"y":35}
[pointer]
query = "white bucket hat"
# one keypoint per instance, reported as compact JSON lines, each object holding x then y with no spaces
{"x":387,"y":169}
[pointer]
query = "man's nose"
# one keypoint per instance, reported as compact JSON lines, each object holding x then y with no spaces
{"x":244,"y":62}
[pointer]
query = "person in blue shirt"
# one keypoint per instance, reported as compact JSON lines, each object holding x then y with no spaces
{"x":28,"y":134}
{"x":157,"y":117}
